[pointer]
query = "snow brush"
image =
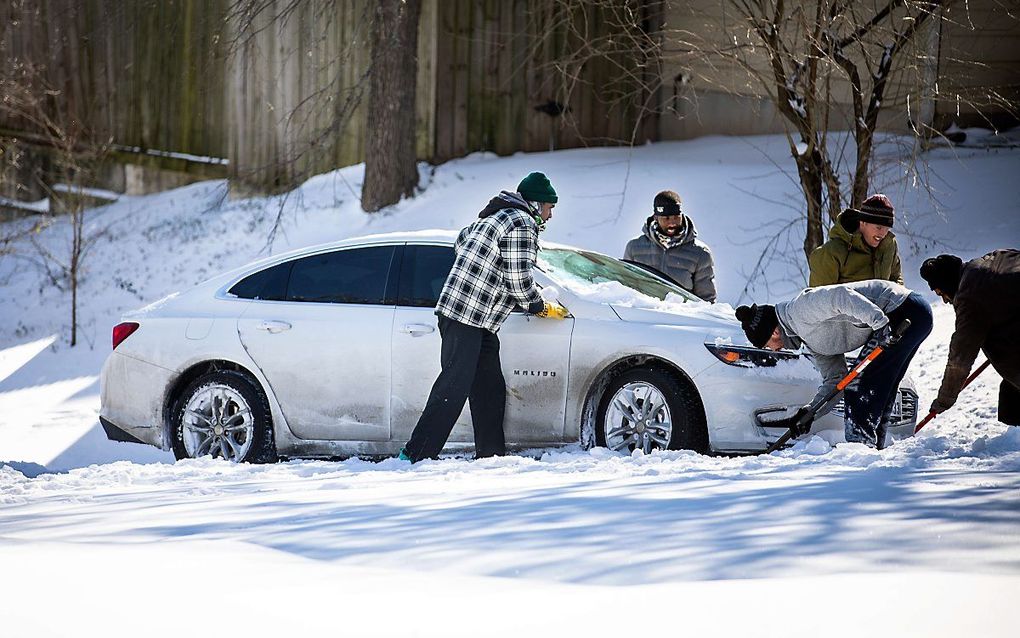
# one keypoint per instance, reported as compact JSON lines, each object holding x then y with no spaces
{"x":821,"y":402}
{"x":932,"y":415}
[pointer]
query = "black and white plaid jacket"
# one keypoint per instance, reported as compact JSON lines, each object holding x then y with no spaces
{"x":492,"y":271}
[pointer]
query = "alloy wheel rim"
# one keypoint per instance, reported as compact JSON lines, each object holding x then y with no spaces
{"x":218,"y":423}
{"x":638,"y":418}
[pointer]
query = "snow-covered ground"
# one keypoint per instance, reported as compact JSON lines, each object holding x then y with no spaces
{"x":102,"y":538}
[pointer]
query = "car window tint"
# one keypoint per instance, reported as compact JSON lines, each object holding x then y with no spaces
{"x":270,"y":283}
{"x":356,"y":275}
{"x":425,"y":270}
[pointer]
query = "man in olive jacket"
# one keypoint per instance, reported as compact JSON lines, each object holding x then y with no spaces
{"x":669,"y":243}
{"x":985,"y":294}
{"x":861,"y":246}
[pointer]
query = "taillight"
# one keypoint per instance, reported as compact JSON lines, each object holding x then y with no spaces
{"x":122,"y":331}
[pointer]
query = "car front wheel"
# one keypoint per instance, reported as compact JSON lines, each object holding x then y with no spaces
{"x":647,"y":408}
{"x":226,"y":415}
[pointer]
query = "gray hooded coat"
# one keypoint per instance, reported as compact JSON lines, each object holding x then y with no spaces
{"x":688,"y":261}
{"x":833,"y":320}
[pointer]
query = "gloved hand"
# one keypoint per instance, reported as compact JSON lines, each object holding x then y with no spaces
{"x":881,"y":337}
{"x":794,"y":422}
{"x":552,"y":310}
{"x":938,"y":407}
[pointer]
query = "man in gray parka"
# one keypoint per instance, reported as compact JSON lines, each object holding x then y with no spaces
{"x":831,"y":321}
{"x":669,"y":243}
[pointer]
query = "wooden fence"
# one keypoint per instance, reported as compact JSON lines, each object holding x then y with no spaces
{"x":275,"y":86}
{"x":497,"y":66}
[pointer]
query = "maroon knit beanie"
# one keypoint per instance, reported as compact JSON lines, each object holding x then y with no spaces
{"x":877,"y":209}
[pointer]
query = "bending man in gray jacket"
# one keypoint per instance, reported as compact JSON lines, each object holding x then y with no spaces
{"x":669,"y":243}
{"x":832,"y":320}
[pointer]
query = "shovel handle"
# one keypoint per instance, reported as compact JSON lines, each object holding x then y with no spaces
{"x":779,"y":442}
{"x":924,"y":421}
{"x":901,"y":329}
{"x":932,"y":415}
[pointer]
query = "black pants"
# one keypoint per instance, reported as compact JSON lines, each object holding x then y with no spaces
{"x":1009,"y":403}
{"x":471,"y":372}
{"x":1003,"y":353}
{"x":869,"y":404}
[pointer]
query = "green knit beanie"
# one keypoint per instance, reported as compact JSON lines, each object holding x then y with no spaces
{"x":536,"y":188}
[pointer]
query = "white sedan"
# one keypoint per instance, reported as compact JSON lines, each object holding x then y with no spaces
{"x":330,"y":351}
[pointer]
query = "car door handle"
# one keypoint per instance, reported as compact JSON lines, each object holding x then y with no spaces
{"x":272,"y":327}
{"x":417,"y":329}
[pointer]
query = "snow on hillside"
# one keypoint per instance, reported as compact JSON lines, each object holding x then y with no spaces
{"x":920,"y":539}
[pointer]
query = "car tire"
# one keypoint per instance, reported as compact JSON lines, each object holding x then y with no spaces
{"x":223,"y":414}
{"x":648,"y":407}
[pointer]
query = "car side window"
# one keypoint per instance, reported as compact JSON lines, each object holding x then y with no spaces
{"x":423,"y":274}
{"x":356,"y":275}
{"x":269,"y":284}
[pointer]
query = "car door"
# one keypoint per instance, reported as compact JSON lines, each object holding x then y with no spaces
{"x":534,"y":352}
{"x":324,"y":344}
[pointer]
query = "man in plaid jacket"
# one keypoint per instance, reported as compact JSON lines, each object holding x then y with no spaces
{"x":490,"y":276}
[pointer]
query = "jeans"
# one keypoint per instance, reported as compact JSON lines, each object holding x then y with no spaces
{"x":870,"y":403}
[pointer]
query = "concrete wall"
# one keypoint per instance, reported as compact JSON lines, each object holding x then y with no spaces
{"x":974,"y":49}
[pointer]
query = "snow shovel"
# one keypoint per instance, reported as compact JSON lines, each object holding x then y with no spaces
{"x":932,"y":415}
{"x":817,"y":405}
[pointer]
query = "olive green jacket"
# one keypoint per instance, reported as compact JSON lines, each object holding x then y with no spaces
{"x":846,"y":257}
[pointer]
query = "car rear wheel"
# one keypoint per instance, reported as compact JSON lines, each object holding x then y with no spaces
{"x":224,"y":414}
{"x":649,"y":409}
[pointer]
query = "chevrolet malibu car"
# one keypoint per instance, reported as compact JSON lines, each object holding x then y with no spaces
{"x":331,"y":351}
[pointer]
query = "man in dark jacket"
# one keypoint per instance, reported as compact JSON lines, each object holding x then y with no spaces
{"x":861,"y":246}
{"x":491,"y":274}
{"x":669,"y":243}
{"x":985,"y":293}
{"x":833,"y":320}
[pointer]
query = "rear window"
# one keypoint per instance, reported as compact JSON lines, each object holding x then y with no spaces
{"x":270,"y":284}
{"x":344,"y":276}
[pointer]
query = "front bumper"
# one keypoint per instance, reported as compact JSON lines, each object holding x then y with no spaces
{"x":903,"y":417}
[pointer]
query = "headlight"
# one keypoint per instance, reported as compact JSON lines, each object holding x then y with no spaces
{"x":748,"y":357}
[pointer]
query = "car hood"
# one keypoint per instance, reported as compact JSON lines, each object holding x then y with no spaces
{"x":719,"y":316}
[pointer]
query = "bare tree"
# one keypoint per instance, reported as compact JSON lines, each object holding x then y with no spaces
{"x":825,"y":65}
{"x":60,"y":127}
{"x":391,"y":169}
{"x":811,"y":52}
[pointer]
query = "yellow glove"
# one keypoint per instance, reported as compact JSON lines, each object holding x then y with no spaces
{"x":552,"y":310}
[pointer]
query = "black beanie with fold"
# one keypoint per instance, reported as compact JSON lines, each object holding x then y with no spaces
{"x":943,"y":272}
{"x":758,"y":322}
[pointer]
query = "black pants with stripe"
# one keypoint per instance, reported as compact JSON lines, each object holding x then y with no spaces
{"x":471,"y":371}
{"x":870,"y":403}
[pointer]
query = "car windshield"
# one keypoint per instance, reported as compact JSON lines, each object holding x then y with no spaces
{"x":575,"y":269}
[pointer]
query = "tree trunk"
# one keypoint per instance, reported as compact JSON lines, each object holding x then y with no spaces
{"x":391,"y":170}
{"x":74,"y":310}
{"x":77,"y":229}
{"x":861,"y":176}
{"x":809,"y":168}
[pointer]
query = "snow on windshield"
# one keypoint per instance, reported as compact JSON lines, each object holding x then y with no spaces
{"x":607,"y":280}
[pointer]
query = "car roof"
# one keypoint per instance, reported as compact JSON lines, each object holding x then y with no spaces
{"x":444,"y":237}
{"x":430,"y":236}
